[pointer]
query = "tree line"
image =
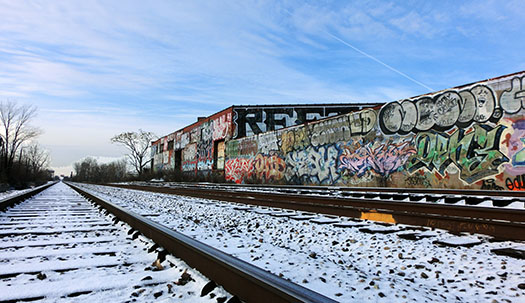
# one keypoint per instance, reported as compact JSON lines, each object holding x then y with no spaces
{"x":137,"y":144}
{"x":22,"y":161}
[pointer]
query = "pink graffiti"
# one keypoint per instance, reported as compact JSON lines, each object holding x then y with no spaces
{"x":221,"y":126}
{"x":238,"y":169}
{"x":516,"y":148}
{"x":383,"y":160}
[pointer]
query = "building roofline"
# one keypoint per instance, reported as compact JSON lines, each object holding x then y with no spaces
{"x":310,"y":104}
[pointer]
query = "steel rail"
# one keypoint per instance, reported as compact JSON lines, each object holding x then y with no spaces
{"x":248,"y":282}
{"x":10,"y":201}
{"x":345,"y":189}
{"x":442,"y":191}
{"x":500,"y":223}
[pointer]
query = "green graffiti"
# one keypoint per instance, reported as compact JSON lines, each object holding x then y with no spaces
{"x":475,"y":153}
{"x":519,"y":157}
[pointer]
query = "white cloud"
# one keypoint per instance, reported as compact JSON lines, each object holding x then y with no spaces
{"x":97,"y":68}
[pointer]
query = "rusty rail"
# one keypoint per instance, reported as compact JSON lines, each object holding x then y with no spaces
{"x":248,"y":282}
{"x":498,"y":222}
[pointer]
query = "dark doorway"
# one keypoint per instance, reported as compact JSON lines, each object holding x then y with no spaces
{"x":178,"y":159}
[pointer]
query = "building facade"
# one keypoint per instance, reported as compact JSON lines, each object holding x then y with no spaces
{"x":200,"y":147}
{"x":470,"y":137}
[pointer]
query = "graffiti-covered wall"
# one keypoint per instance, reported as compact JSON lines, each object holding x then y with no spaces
{"x":253,"y":120}
{"x":192,"y":149}
{"x":467,"y":137}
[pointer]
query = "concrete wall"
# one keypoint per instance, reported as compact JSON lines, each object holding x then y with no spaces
{"x":467,"y":137}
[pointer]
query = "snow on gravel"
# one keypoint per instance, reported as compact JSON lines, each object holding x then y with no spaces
{"x":94,"y":266}
{"x":11,"y":193}
{"x":338,"y":260}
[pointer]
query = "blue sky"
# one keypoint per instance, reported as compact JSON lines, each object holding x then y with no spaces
{"x":98,"y":68}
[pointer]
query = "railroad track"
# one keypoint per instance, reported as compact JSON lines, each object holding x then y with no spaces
{"x":445,"y":196}
{"x":502,"y":223}
{"x":57,"y":246}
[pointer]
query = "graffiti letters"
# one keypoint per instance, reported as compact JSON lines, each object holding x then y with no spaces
{"x":490,"y":184}
{"x":221,"y":126}
{"x":330,"y":131}
{"x":440,"y":112}
{"x":516,"y":143}
{"x":189,"y":156}
{"x":313,"y":165}
{"x":361,"y":123}
{"x":238,"y":169}
{"x":476,"y":153}
{"x":513,"y":99}
{"x":382,"y":160}
{"x":269,"y":168}
{"x":255,"y":120}
{"x":518,"y":183}
{"x":267,"y":142}
{"x":294,"y":139}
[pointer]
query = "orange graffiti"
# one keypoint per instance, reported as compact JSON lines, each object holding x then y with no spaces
{"x":269,"y":167}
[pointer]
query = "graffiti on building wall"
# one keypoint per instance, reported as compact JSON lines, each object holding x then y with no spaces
{"x":440,"y":112}
{"x":205,"y":147}
{"x":475,"y":152}
{"x":255,"y":120}
{"x":381,"y":159}
{"x":238,"y":169}
{"x":220,"y":155}
{"x":342,"y":128}
{"x":512,"y":100}
{"x":221,"y":126}
{"x":515,"y":143}
{"x":189,"y":157}
{"x":313,"y":165}
{"x":328,"y":131}
{"x":294,"y":139}
{"x":517,"y":183}
{"x":267,"y":143}
{"x":245,"y":147}
{"x":269,"y":168}
{"x":468,"y":137}
{"x":490,"y":184}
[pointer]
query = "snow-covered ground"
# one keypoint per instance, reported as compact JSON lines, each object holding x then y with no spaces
{"x":11,"y":193}
{"x":335,"y":257}
{"x":57,"y":244}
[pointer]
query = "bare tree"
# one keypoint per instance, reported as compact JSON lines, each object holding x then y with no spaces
{"x":138,"y":144}
{"x":15,"y":130}
{"x":37,"y":158}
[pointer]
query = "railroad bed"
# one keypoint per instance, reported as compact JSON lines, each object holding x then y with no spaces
{"x":58,"y":247}
{"x":430,"y":210}
{"x":485,"y":198}
{"x":349,"y":260}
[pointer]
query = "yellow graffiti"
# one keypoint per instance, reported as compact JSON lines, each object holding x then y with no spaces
{"x":375,"y":216}
{"x":287,"y":141}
